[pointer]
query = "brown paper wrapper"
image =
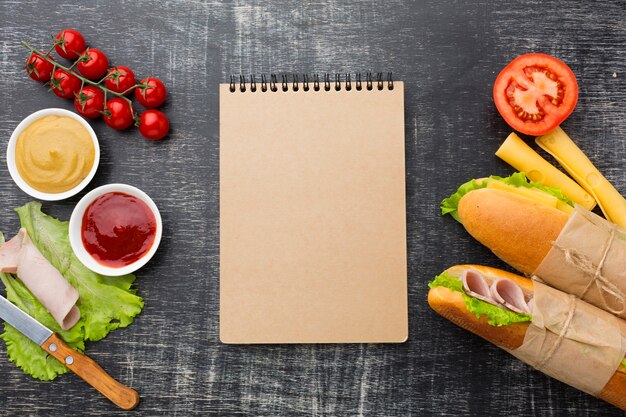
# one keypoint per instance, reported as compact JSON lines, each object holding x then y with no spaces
{"x":572,"y":341}
{"x":588,"y":260}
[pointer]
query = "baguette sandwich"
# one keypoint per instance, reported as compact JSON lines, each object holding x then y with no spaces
{"x":498,"y":306}
{"x":517,"y":219}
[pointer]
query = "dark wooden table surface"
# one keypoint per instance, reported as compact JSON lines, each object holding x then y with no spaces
{"x":448,"y":53}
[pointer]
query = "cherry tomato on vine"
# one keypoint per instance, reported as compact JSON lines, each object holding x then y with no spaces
{"x":93,"y":64}
{"x":69,"y":43}
{"x":151,"y":93}
{"x":90,"y":102}
{"x":120,"y":79}
{"x":154,"y":125}
{"x":118,"y":114}
{"x":64,"y":84}
{"x":535,"y":93}
{"x":38,"y":68}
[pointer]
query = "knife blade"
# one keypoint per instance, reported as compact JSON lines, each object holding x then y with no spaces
{"x":27,"y":325}
{"x":83,"y":366}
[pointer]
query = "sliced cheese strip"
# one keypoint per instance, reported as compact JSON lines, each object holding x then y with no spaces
{"x":515,"y":152}
{"x":534,"y":194}
{"x":576,"y":163}
{"x":43,"y":280}
{"x":564,"y":207}
{"x":543,"y":198}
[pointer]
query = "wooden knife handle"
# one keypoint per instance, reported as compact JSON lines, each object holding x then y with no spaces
{"x":85,"y":367}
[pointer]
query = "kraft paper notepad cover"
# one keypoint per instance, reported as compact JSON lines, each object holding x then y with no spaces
{"x":312,"y":216}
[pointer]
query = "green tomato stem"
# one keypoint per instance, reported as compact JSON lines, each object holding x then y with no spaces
{"x":131,"y":88}
{"x":84,"y":80}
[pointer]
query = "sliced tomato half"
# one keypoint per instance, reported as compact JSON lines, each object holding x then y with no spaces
{"x":535,"y":93}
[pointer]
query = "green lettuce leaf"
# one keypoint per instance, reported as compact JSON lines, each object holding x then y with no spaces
{"x":105,"y":303}
{"x":497,"y":316}
{"x":448,"y":281}
{"x":21,"y":350}
{"x":518,"y":179}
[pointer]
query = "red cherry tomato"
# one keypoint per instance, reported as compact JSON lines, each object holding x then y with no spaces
{"x":152,"y":92}
{"x":90,"y":102}
{"x":120,"y":79}
{"x":118,"y":114}
{"x":154,"y":125}
{"x":64,"y":84}
{"x":535,"y":93}
{"x":93,"y":64}
{"x":38,"y":68}
{"x":69,"y":43}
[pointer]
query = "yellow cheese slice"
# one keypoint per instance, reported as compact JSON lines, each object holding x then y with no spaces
{"x":574,"y":161}
{"x":534,"y":194}
{"x":563,"y":206}
{"x":515,"y":152}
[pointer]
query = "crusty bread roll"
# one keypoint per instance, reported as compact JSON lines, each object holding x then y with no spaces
{"x":450,"y":305}
{"x":520,"y":231}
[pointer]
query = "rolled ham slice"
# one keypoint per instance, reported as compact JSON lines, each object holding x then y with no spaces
{"x":475,"y":286}
{"x":503,"y":292}
{"x":9,"y":253}
{"x":20,"y":255}
{"x":510,"y":295}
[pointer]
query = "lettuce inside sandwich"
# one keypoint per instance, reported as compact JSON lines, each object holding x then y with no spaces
{"x":496,"y":315}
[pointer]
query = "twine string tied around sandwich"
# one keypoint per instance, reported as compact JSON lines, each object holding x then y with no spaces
{"x":605,"y":286}
{"x":562,"y":334}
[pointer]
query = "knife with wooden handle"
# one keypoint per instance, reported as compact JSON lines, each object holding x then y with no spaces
{"x":121,"y":395}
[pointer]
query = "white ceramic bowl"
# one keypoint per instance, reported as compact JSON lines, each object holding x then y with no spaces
{"x":76,"y":221}
{"x":11,"y":155}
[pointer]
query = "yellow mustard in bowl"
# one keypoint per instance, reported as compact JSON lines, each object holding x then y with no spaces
{"x":54,"y":154}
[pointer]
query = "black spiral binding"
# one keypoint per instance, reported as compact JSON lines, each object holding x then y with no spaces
{"x":294,"y":81}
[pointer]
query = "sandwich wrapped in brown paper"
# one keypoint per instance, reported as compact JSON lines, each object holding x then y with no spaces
{"x":572,"y":341}
{"x":588,"y":260}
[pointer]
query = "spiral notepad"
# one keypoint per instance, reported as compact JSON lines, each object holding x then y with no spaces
{"x":312,"y":210}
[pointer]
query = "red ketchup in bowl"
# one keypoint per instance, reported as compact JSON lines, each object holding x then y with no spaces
{"x":118,"y":229}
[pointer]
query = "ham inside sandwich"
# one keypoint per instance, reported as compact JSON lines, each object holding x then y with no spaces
{"x":503,"y":292}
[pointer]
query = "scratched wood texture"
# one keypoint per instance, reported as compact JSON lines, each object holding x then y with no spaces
{"x":448,"y":53}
